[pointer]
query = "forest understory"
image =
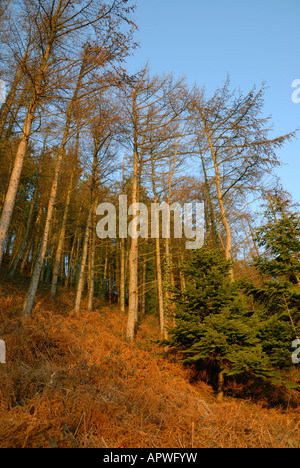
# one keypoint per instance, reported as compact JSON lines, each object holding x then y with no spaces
{"x":75,"y":382}
{"x":149,"y":251}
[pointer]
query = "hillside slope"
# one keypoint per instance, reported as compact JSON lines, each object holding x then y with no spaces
{"x":75,"y":382}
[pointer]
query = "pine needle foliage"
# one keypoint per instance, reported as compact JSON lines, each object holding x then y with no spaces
{"x":219,"y":328}
{"x":213,"y":320}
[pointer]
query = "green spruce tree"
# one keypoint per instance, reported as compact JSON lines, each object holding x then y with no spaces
{"x":278,"y":294}
{"x":213,"y":325}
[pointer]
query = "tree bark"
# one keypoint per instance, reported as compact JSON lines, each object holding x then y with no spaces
{"x":12,"y":190}
{"x":43,"y":248}
{"x":122,"y":276}
{"x":61,"y":240}
{"x":225,"y":222}
{"x":92,"y":252}
{"x":80,"y":285}
{"x":160,"y":288}
{"x":134,"y":247}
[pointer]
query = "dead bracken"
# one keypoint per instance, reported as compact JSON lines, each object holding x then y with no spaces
{"x":75,"y":382}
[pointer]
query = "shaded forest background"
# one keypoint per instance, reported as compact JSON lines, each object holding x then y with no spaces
{"x":76,"y":131}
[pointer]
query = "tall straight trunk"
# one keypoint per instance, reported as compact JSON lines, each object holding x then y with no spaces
{"x":159,"y":281}
{"x":170,"y":283}
{"x":71,"y":257}
{"x":105,"y":271}
{"x":77,"y":259}
{"x":134,"y":247}
{"x":160,"y":289}
{"x":181,"y":274}
{"x":91,"y":276}
{"x":209,"y":207}
{"x":133,"y":267}
{"x":122,"y":276}
{"x":158,"y":261}
{"x":59,"y":251}
{"x":13,"y":186}
{"x":92,"y":253}
{"x":81,"y":280}
{"x":110,"y":289}
{"x":143,"y":292}
{"x":122,"y":261}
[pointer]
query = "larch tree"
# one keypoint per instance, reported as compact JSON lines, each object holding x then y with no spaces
{"x":151,"y":105}
{"x":57,"y":25}
{"x":234,"y":141}
{"x":110,"y":46}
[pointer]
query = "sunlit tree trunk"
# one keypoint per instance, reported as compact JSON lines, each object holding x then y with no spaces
{"x":11,"y":194}
{"x":82,"y":276}
{"x":92,"y":253}
{"x":133,"y":263}
{"x":61,"y":240}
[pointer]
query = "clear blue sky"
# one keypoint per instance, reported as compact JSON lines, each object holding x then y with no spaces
{"x":251,"y":40}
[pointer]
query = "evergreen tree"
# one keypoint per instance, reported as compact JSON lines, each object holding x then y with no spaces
{"x":213,"y":323}
{"x":278,"y":294}
{"x":279,"y":264}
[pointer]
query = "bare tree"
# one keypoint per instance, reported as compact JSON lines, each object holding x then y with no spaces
{"x":234,"y":145}
{"x":150,"y":107}
{"x":56,"y":24}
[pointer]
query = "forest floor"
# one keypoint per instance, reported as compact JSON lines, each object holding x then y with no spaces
{"x":75,"y":382}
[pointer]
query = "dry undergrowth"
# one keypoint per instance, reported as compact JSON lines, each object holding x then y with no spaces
{"x":75,"y":382}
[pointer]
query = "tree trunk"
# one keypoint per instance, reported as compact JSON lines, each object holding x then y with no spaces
{"x":160,"y":287}
{"x":225,"y":222}
{"x":134,"y":247}
{"x":12,"y":190}
{"x":133,"y":287}
{"x":220,"y":392}
{"x":71,"y":258}
{"x":122,"y":276}
{"x":60,"y":246}
{"x":209,"y":207}
{"x":43,"y":248}
{"x":92,"y":252}
{"x":143,"y":294}
{"x":80,"y":285}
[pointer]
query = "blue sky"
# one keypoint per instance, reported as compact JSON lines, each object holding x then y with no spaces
{"x":253,"y":41}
